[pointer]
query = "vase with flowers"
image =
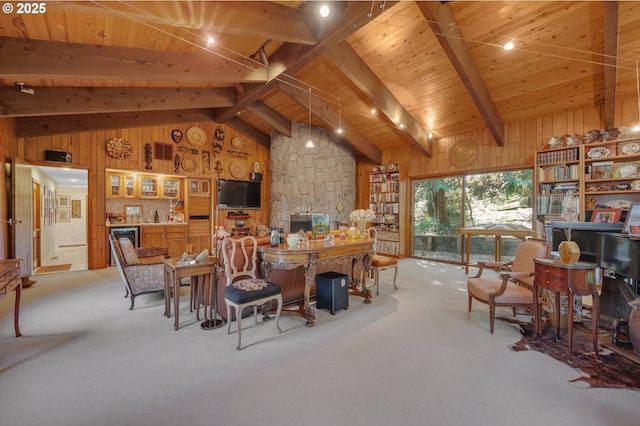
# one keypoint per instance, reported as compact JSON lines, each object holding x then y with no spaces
{"x":360,"y":217}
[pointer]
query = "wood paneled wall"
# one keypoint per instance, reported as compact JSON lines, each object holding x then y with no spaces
{"x":88,"y":150}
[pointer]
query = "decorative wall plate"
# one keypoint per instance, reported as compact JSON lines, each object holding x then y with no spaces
{"x":196,"y":136}
{"x":238,"y":169}
{"x":118,"y":148}
{"x":598,"y":152}
{"x":463,"y":153}
{"x":237,"y":143}
{"x":630,"y":148}
{"x":625,"y":170}
{"x":188,"y":165}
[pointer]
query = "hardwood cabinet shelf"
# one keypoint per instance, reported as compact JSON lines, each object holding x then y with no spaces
{"x":122,"y":184}
{"x":384,"y":200}
{"x":601,"y":175}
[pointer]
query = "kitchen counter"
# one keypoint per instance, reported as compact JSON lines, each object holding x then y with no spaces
{"x":120,"y":225}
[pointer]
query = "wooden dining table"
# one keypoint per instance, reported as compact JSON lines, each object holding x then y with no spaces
{"x":497,"y":230}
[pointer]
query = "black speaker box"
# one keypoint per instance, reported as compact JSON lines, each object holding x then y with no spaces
{"x":58,"y":156}
{"x":332,"y":291}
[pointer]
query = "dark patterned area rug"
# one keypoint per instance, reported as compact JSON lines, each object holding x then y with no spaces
{"x":613,"y":370}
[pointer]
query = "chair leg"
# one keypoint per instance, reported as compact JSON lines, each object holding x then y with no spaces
{"x":492,"y":317}
{"x":395,"y":275}
{"x":229,"y":318}
{"x":470,"y":300}
{"x":239,"y":321}
{"x":278,"y":309}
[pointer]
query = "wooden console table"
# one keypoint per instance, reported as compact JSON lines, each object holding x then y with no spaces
{"x":573,"y":279}
{"x":357,"y":253}
{"x":498,"y":231}
{"x":10,"y":280}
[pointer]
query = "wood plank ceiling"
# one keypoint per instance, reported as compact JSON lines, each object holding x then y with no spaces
{"x":423,"y":66}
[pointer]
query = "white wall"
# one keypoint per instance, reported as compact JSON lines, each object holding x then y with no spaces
{"x":74,"y":232}
{"x":48,"y":233}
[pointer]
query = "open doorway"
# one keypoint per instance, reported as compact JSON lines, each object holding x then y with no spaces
{"x":61,"y":244}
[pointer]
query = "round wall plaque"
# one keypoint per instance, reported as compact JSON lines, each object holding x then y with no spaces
{"x":463,"y":153}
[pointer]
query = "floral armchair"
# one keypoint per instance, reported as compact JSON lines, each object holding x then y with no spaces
{"x":141,"y":269}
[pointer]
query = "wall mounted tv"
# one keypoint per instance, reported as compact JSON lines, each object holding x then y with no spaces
{"x":238,"y":194}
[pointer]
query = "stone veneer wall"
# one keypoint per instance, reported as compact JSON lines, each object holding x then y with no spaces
{"x":311,"y":180}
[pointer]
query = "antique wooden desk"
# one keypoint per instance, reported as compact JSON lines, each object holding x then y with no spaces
{"x":573,"y":279}
{"x":203,"y":272}
{"x":357,"y":253}
{"x":10,"y":280}
{"x":498,"y":231}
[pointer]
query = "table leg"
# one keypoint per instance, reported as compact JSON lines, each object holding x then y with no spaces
{"x":310,"y":279}
{"x":167,"y":293}
{"x":211,"y":321}
{"x":176,"y":299}
{"x":468,"y":250}
{"x":16,"y":310}
{"x":570,"y":319}
{"x":595,"y":318}
{"x":536,"y":310}
{"x":558,"y":315}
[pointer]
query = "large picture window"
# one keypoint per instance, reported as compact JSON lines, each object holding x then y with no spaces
{"x":442,"y":205}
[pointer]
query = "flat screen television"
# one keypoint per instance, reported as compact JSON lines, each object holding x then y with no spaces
{"x":238,"y":194}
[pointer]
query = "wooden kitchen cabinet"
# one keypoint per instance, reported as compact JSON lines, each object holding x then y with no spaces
{"x":176,"y":237}
{"x":153,"y":236}
{"x":199,"y":235}
{"x":173,"y":237}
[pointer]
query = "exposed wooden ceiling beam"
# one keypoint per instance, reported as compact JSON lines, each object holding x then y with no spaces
{"x":248,"y":19}
{"x":364,"y":78}
{"x":291,"y":58}
{"x":85,"y":100}
{"x":330,"y":119}
{"x":272,"y":117}
{"x":49,"y":125}
{"x":27,"y":59}
{"x":248,"y":130}
{"x":443,"y":24}
{"x":610,"y":60}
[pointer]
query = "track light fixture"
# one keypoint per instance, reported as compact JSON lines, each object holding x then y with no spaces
{"x":309,"y":143}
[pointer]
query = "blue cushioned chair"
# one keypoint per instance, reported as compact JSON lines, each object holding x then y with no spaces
{"x":244,"y":287}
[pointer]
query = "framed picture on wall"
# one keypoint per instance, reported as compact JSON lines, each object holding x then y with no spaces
{"x":64,"y":201}
{"x":76,"y":213}
{"x":63,"y":215}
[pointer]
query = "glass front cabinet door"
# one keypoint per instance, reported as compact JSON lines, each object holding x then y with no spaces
{"x":114,"y":185}
{"x":171,"y":188}
{"x":148,"y":187}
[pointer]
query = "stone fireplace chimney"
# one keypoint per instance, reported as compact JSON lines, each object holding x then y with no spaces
{"x":311,"y":180}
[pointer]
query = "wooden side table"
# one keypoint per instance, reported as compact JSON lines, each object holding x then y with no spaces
{"x":173,"y":274}
{"x":10,"y":280}
{"x":572,"y":279}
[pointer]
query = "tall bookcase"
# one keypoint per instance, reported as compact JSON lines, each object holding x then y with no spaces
{"x":602,"y":175}
{"x":386,"y":196}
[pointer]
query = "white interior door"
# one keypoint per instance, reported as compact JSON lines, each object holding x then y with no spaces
{"x":21,"y":221}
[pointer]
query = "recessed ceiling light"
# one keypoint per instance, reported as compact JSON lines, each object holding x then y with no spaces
{"x":509,"y":45}
{"x":324,"y":10}
{"x":339,"y":130}
{"x":430,"y":135}
{"x":373,"y":111}
{"x":210,"y":41}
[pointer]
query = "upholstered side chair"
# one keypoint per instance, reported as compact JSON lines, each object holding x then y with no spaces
{"x":514,"y":287}
{"x":381,"y":263}
{"x":243,"y":286}
{"x":141,"y":269}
